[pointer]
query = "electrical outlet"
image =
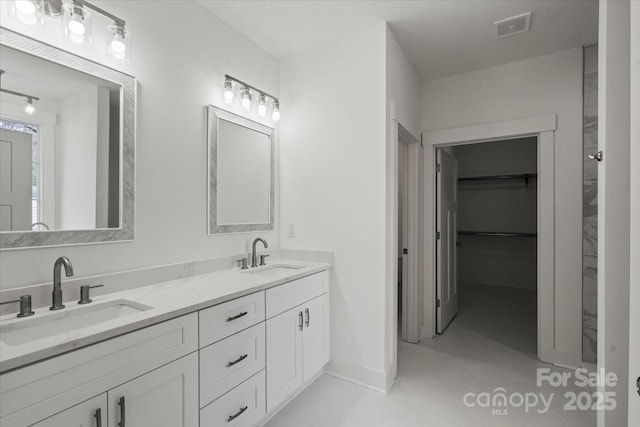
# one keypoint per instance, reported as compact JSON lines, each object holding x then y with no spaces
{"x":291,"y":231}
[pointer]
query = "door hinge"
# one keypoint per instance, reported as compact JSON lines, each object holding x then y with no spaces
{"x":405,"y":251}
{"x":437,"y":235}
{"x":437,"y":168}
{"x":437,"y":303}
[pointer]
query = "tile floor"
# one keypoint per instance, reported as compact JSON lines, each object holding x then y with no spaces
{"x":490,"y":344}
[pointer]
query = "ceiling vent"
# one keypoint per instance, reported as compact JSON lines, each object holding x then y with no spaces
{"x":513,"y":25}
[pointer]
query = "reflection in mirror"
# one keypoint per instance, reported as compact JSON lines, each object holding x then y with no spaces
{"x":67,"y":147}
{"x":240,"y":174}
{"x":67,"y":178}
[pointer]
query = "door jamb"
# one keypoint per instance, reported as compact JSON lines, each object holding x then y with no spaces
{"x":544,"y":128}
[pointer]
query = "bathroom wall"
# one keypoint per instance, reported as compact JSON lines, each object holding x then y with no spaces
{"x":500,"y":206}
{"x":332,"y":183}
{"x":590,"y":209}
{"x":179,"y":57}
{"x":543,"y":85}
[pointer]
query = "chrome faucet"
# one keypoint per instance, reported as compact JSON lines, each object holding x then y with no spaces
{"x":56,"y":295}
{"x":254,"y":256}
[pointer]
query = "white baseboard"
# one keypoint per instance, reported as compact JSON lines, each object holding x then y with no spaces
{"x":370,"y":378}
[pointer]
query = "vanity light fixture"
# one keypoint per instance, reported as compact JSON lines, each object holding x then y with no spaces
{"x":262,"y":105}
{"x":246,"y":93}
{"x":29,"y":108}
{"x":275,"y":114}
{"x":228,"y":91}
{"x":245,"y":96}
{"x":76,"y":21}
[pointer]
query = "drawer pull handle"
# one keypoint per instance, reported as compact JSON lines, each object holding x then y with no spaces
{"x":237,"y":316}
{"x":238,"y":360}
{"x":236,"y":415}
{"x":306,"y":322}
{"x":300,"y":321}
{"x":122,"y":412}
{"x":98,"y":416}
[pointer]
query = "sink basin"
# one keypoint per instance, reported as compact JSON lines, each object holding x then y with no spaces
{"x":275,"y":270}
{"x":70,"y":319}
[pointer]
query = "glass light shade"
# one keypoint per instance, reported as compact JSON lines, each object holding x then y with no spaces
{"x":262,"y":105}
{"x":275,"y":114}
{"x":76,"y":20}
{"x":245,"y":96}
{"x":27,"y":12}
{"x":228,"y":91}
{"x":120,"y":45}
{"x":29,"y":107}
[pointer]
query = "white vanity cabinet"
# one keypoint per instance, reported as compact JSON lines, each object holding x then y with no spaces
{"x":165,"y":397}
{"x":298,"y":338}
{"x":91,"y":413}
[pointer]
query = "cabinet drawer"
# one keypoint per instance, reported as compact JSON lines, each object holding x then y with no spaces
{"x":243,"y":406}
{"x":225,"y":319}
{"x":284,"y":297}
{"x":37,"y":391}
{"x":229,"y":362}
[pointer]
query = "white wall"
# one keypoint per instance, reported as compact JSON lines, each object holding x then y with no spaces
{"x":77,"y":160}
{"x":332,"y":187}
{"x":180,"y":55}
{"x":634,"y":300}
{"x":537,"y":86}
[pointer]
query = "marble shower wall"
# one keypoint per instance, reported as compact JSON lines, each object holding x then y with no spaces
{"x":590,"y":208}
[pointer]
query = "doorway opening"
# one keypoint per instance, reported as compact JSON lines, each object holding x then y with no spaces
{"x":486,"y":241}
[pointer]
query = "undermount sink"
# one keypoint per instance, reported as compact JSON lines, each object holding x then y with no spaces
{"x":275,"y":270}
{"x":44,"y":325}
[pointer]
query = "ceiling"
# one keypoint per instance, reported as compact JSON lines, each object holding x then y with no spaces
{"x":440,"y":37}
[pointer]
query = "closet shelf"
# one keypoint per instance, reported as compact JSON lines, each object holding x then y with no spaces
{"x":524,"y":176}
{"x":495,"y":234}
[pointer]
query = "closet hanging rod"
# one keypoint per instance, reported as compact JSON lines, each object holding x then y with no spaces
{"x":498,"y":177}
{"x":496,"y":234}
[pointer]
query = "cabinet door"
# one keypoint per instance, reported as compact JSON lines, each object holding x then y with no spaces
{"x":166,"y":397}
{"x":91,"y":413}
{"x":284,"y":356}
{"x":315,"y":338}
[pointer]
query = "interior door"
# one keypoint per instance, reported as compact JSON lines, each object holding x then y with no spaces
{"x":15,"y":180}
{"x":90,"y":413}
{"x":166,"y":397}
{"x":447,"y":235}
{"x":315,"y":338}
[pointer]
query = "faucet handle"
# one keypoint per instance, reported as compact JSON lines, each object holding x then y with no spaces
{"x":25,"y":305}
{"x":243,"y":263}
{"x":84,"y":293}
{"x":263,"y":259}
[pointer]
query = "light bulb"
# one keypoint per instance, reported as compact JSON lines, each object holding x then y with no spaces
{"x":25,"y":6}
{"x":29,"y":108}
{"x":262,"y":105}
{"x":228,"y":91}
{"x":76,"y":26}
{"x":119,"y":45}
{"x":246,"y":98}
{"x":118,"y":49}
{"x":275,"y":114}
{"x":77,"y":23}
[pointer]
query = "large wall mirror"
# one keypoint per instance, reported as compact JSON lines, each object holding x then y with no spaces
{"x":67,"y":129}
{"x":241,"y":171}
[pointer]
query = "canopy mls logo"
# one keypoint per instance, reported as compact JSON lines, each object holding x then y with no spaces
{"x":500,"y":401}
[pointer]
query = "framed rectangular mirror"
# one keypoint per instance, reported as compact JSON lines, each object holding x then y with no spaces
{"x":67,"y":161}
{"x":241,"y":173}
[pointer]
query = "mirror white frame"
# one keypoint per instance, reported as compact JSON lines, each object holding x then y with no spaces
{"x":214,"y":115}
{"x":30,"y":239}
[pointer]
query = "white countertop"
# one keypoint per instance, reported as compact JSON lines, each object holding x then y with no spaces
{"x":167,"y":300}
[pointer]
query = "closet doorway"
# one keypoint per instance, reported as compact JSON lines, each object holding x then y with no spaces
{"x":486,"y":241}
